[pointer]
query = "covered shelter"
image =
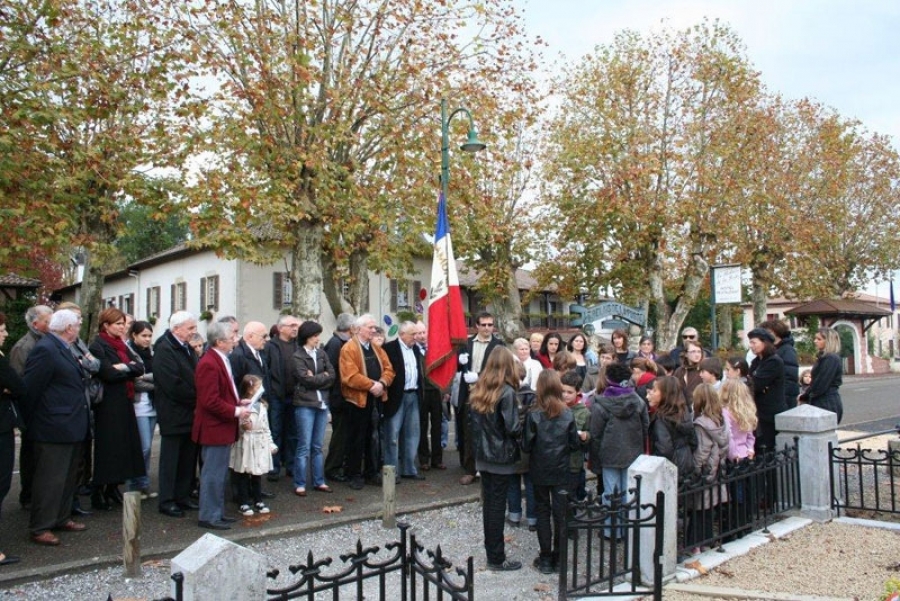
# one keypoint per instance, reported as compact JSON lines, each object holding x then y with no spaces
{"x":14,"y":286}
{"x":855,"y":315}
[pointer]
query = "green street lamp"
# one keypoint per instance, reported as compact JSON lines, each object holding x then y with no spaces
{"x":472,"y":143}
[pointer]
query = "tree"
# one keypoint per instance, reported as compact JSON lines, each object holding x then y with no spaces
{"x":641,"y":167}
{"x":94,"y":111}
{"x":144,"y":233}
{"x":320,"y":125}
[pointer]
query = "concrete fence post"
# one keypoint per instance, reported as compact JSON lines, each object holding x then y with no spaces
{"x":216,"y":568}
{"x":815,"y":428}
{"x":657,"y":474}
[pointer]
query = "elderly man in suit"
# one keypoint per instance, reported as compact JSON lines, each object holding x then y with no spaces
{"x":57,"y":419}
{"x":174,"y":362}
{"x":218,"y":412}
{"x":471,"y":362}
{"x":401,"y":412}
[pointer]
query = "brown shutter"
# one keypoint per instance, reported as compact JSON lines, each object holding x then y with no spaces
{"x":393,"y":296}
{"x":277,"y":290}
{"x":202,"y":295}
{"x":215,"y":286}
{"x":416,"y":286}
{"x":173,"y":298}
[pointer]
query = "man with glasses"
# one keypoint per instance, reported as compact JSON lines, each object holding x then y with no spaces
{"x":688,"y":335}
{"x":280,"y":351}
{"x":471,"y":362}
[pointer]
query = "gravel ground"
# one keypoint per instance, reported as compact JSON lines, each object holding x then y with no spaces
{"x":828,"y":559}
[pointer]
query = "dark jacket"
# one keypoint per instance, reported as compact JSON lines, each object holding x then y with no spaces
{"x":496,"y":435}
{"x":549,"y":443}
{"x":463,"y":386}
{"x":674,"y":441}
{"x":788,"y":354}
{"x":398,"y":386}
{"x":619,"y":424}
{"x":767,"y":374}
{"x":278,"y":376}
{"x":18,"y":355}
{"x":10,"y":409}
{"x":827,"y":377}
{"x":307,"y":387}
{"x":176,"y":392}
{"x":57,"y":407}
{"x":243,"y":363}
{"x":333,"y":347}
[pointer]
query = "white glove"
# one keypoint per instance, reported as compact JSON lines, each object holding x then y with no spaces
{"x":470,"y":377}
{"x":464,"y":358}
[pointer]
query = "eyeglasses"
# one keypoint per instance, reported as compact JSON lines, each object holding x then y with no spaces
{"x":688,"y":336}
{"x":486,"y":325}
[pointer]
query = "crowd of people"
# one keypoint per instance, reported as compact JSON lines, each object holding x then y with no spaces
{"x":246,"y":405}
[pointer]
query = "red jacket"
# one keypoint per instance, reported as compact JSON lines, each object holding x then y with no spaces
{"x":214,"y":420}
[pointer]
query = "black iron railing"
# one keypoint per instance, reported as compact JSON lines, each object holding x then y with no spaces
{"x":864,"y":479}
{"x":601,"y":553}
{"x":743,"y":496}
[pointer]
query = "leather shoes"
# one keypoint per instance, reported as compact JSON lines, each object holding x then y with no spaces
{"x":424,"y":467}
{"x":188,"y":505}
{"x":267,"y":495}
{"x":413,"y":476}
{"x":72,"y":526}
{"x":214,"y":525}
{"x":173,"y":511}
{"x":337,"y":477}
{"x":47,"y":539}
{"x":227,"y":519}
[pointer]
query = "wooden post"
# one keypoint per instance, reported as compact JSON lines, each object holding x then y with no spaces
{"x":389,"y":488}
{"x":131,"y":533}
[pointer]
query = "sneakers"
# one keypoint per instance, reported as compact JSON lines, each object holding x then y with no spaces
{"x":508,"y":565}
{"x":245,"y":510}
{"x":261,"y":507}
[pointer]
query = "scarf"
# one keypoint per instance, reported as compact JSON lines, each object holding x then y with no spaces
{"x":122,"y":352}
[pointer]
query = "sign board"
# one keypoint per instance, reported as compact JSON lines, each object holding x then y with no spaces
{"x":604,"y":310}
{"x":726,"y":284}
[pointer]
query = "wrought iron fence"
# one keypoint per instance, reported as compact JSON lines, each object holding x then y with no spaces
{"x":421,"y":574}
{"x":601,"y":545}
{"x":865,"y":479}
{"x":743,"y":496}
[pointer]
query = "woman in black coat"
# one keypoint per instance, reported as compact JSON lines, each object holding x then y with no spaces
{"x":12,"y":390}
{"x":767,"y":375}
{"x":784,"y":347}
{"x":117,"y":442}
{"x":827,"y":374}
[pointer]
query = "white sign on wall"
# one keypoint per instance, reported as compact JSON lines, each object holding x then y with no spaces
{"x":727,"y":283}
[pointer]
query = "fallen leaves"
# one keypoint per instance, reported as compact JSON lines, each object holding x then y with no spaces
{"x":696,"y":565}
{"x":542,"y":587}
{"x":332,"y":509}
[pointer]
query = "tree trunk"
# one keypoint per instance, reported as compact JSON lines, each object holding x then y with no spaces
{"x":725,"y":326}
{"x":759,"y":294}
{"x":669,"y":328}
{"x":359,"y":281}
{"x":662,"y":339}
{"x":508,"y":311}
{"x":306,"y":272}
{"x":91,"y":300}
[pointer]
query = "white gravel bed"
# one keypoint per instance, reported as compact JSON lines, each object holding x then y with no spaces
{"x":833,"y":559}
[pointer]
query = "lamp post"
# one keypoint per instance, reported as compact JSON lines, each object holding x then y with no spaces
{"x":472,"y":144}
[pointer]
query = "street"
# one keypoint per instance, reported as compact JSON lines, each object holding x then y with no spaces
{"x":871,"y":404}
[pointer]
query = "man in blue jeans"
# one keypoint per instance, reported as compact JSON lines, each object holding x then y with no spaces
{"x":401,"y":412}
{"x":280,"y":351}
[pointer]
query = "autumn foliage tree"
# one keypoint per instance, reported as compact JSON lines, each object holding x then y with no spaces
{"x":322,"y":136}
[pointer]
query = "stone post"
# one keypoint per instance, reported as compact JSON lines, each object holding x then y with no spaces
{"x":216,"y":568}
{"x":657,"y":474}
{"x":815,"y":428}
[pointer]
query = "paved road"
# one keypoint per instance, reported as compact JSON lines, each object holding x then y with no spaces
{"x":871,"y":404}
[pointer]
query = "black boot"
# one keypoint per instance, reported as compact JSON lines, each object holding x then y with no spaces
{"x":112,"y":494}
{"x":98,"y":502}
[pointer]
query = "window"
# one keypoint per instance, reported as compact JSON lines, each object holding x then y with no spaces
{"x":109,"y":302}
{"x":281,"y":290}
{"x":179,"y":296}
{"x":126,"y":303}
{"x":209,"y":293}
{"x":400,"y":298}
{"x":153,"y":302}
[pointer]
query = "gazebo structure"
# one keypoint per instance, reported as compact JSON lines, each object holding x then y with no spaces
{"x":13,"y":286}
{"x":855,"y":315}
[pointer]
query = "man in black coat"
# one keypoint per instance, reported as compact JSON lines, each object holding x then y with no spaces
{"x":431,"y":412}
{"x":57,"y":417}
{"x":471,"y":362}
{"x":401,"y":412}
{"x":337,"y":446}
{"x":175,"y":398}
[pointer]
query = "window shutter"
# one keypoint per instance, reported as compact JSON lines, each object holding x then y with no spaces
{"x":203,"y":294}
{"x":173,"y":298}
{"x":215,"y":291}
{"x":149,"y":304}
{"x":414,"y":299}
{"x":393,"y":296}
{"x":277,"y":290}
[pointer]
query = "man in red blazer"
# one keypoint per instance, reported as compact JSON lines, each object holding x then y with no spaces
{"x":216,"y":418}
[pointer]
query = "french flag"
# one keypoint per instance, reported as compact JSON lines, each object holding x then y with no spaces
{"x":446,"y":321}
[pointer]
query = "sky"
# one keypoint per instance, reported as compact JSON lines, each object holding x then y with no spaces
{"x":845,"y":55}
